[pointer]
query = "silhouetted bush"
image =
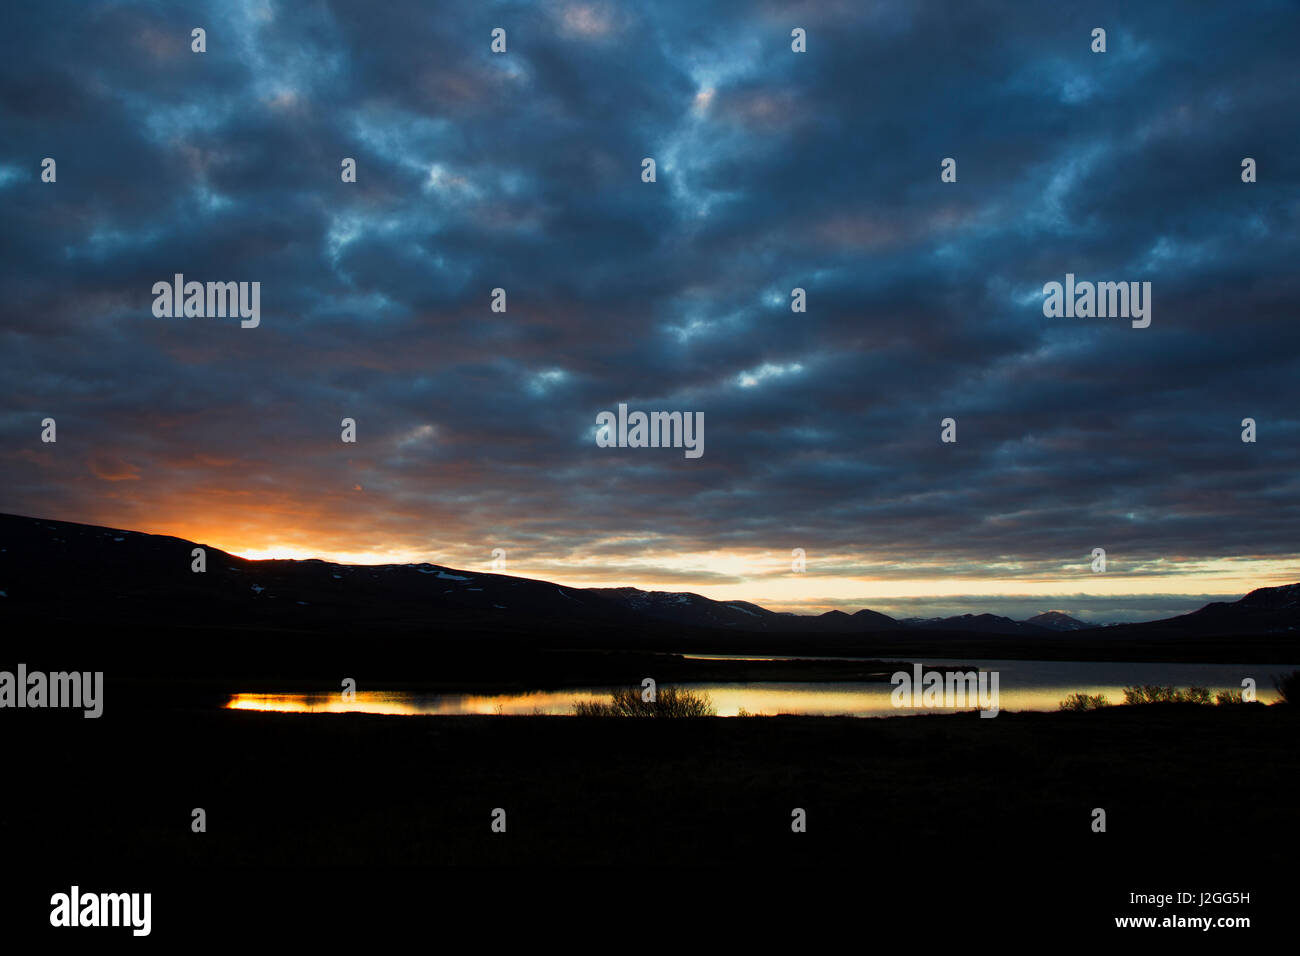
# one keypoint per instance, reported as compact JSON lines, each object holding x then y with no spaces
{"x":1157,"y":694}
{"x":1150,"y":694}
{"x":1288,"y":687}
{"x":1085,"y":702}
{"x":1228,"y":697}
{"x":668,"y":702}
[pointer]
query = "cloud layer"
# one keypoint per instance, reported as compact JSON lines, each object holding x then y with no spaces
{"x":775,"y":170}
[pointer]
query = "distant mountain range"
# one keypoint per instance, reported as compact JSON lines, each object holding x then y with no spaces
{"x":52,"y":566}
{"x":1057,"y":621}
{"x":1049,"y":621}
{"x":684,"y":607}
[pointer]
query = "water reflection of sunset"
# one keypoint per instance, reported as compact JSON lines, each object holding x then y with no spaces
{"x":408,"y":704}
{"x":1026,"y":687}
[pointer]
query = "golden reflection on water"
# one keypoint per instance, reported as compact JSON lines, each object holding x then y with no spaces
{"x":408,"y":704}
{"x":830,"y":699}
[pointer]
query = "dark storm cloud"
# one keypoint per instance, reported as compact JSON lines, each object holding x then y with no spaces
{"x":775,"y":170}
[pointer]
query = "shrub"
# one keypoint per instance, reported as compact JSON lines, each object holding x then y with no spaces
{"x":1085,"y":702}
{"x":1228,"y":697}
{"x":1288,"y":687}
{"x":1157,"y":694}
{"x":1149,"y":694}
{"x":668,"y":702}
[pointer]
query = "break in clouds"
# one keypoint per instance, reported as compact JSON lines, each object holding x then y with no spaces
{"x":522,"y":172}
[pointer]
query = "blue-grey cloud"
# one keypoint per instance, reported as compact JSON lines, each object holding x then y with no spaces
{"x":775,"y":170}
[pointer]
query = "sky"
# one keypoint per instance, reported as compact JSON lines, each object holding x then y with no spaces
{"x":775,"y":170}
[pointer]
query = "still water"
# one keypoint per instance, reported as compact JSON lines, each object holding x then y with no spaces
{"x":1023,"y":685}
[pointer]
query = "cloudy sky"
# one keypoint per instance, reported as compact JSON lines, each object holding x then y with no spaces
{"x":775,"y":170}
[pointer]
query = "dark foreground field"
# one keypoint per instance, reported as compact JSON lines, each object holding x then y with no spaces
{"x":357,"y":789}
{"x":1201,"y":796}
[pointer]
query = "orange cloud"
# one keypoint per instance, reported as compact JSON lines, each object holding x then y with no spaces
{"x":112,"y":468}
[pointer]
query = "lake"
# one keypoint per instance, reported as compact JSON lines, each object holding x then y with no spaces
{"x":1023,"y":685}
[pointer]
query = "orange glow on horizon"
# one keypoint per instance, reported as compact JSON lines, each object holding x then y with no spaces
{"x":760,"y":576}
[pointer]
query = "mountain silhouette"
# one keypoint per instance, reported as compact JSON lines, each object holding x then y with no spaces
{"x":56,"y":570}
{"x":1057,"y":621}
